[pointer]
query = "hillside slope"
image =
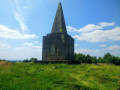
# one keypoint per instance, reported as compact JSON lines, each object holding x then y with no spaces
{"x":30,"y":76}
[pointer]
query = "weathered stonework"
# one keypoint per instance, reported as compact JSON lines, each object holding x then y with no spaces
{"x":58,"y":45}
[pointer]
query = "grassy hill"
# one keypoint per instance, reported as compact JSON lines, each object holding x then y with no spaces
{"x":30,"y":76}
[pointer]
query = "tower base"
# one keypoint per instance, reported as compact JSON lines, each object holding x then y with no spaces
{"x":58,"y":46}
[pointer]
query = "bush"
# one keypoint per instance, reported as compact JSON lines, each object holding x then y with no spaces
{"x":26,"y":60}
{"x":33,"y":60}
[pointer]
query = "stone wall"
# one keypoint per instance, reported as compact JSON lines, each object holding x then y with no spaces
{"x":58,"y":46}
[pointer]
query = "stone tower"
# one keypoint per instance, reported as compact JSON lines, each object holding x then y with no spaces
{"x":58,"y":45}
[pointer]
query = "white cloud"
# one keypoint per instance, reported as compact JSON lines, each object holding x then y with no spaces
{"x":105,"y":24}
{"x":103,"y":45}
{"x":34,"y":44}
{"x":38,"y":43}
{"x":100,"y":35}
{"x":8,"y":33}
{"x":88,"y":51}
{"x":27,"y":44}
{"x":114,"y":50}
{"x":20,"y":10}
{"x":21,"y":22}
{"x":90,"y":27}
{"x":72,"y":29}
{"x":28,"y":6}
{"x":24,"y":51}
{"x":19,"y":14}
{"x":4,"y":46}
{"x":76,"y":45}
{"x":96,"y":33}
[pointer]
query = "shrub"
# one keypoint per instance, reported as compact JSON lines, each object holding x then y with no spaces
{"x":26,"y":60}
{"x":33,"y":60}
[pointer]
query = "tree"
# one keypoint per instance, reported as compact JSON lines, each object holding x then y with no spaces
{"x":26,"y":60}
{"x":94,"y":59}
{"x":117,"y":61}
{"x":88,"y":59}
{"x":100,"y":60}
{"x":33,"y":60}
{"x":107,"y":58}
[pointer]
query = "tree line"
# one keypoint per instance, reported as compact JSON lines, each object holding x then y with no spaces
{"x":82,"y":58}
{"x":31,"y":60}
{"x":107,"y":58}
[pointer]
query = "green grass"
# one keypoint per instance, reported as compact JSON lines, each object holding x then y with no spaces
{"x":30,"y":76}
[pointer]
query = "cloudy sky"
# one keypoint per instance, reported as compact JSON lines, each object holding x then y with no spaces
{"x":94,"y":24}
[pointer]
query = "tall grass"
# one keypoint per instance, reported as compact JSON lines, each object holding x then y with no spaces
{"x":30,"y":76}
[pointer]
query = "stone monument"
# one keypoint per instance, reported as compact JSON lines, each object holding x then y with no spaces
{"x":58,"y":45}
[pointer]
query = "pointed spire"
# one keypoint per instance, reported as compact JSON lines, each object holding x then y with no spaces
{"x":59,"y":22}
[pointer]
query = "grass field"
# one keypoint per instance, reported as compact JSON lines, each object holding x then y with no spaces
{"x":31,"y":76}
